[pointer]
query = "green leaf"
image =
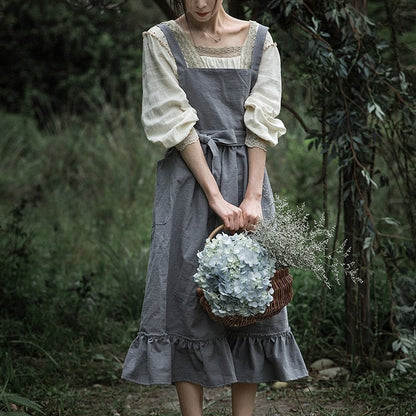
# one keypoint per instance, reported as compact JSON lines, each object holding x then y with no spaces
{"x":367,"y":243}
{"x":368,"y":178}
{"x":358,"y":139}
{"x":288,"y":9}
{"x":374,"y":108}
{"x":99,"y":357}
{"x":315,"y":22}
{"x":22,"y":401}
{"x":396,"y":345}
{"x":15,"y":414}
{"x":391,"y":221}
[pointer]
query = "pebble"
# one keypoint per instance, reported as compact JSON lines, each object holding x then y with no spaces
{"x":278,"y":385}
{"x":322,"y":364}
{"x":333,"y":372}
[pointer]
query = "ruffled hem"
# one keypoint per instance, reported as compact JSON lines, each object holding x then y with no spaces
{"x":166,"y":359}
{"x":260,"y":358}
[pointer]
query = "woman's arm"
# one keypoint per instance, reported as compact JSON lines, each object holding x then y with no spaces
{"x":167,"y":116}
{"x":262,"y":107}
{"x":251,"y":205}
{"x":230,"y":214}
{"x":168,"y":119}
{"x":263,"y":127}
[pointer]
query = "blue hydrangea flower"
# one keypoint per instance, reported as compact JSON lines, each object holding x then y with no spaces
{"x":235,"y":273}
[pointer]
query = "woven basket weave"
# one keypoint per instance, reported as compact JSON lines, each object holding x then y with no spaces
{"x":282,"y":283}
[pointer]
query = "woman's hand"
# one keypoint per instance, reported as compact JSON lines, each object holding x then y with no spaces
{"x":234,"y":218}
{"x":251,"y":212}
{"x":231,"y":215}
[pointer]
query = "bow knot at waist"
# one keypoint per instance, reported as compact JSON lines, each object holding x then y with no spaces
{"x":230,"y":138}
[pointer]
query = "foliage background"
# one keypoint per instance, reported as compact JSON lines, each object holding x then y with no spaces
{"x":76,"y":193}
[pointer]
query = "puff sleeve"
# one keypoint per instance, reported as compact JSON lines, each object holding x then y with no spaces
{"x":167,"y":116}
{"x":263,"y":105}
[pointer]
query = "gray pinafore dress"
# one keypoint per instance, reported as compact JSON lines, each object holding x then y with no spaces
{"x":177,"y":341}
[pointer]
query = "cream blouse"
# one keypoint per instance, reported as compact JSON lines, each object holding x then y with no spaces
{"x":167,"y":116}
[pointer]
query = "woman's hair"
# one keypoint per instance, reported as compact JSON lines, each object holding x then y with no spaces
{"x":178,"y":6}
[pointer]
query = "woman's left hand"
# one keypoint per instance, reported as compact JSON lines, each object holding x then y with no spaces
{"x":252,"y":212}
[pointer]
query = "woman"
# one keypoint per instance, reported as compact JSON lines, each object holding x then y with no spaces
{"x":211,"y":94}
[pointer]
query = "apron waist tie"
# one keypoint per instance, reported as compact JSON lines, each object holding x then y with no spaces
{"x":229,"y":138}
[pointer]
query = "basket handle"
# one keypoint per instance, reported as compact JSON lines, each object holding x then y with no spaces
{"x":216,"y":231}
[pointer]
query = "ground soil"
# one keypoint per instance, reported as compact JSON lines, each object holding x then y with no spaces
{"x":94,"y":388}
{"x":125,"y":399}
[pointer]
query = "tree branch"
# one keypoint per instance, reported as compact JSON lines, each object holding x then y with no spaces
{"x":300,"y":120}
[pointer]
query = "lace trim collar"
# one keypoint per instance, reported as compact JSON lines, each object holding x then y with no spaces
{"x":193,"y":54}
{"x":229,"y":52}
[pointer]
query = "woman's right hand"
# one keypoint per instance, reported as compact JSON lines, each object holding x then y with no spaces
{"x":231,"y":215}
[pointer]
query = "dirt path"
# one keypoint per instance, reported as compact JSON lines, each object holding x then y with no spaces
{"x":314,"y":396}
{"x":126,"y":399}
{"x":163,"y":401}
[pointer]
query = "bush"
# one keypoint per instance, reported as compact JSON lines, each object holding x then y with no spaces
{"x":75,"y":226}
{"x":60,"y":58}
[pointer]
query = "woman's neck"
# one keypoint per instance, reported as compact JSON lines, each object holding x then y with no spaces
{"x":215,"y":25}
{"x":221,"y":30}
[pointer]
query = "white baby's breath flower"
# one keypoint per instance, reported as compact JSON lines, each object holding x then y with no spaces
{"x":292,"y":242}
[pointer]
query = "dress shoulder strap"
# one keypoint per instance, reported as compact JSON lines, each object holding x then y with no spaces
{"x":258,"y":47}
{"x":174,"y":46}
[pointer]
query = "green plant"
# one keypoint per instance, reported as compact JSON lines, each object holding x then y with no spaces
{"x":16,"y":405}
{"x":73,"y":251}
{"x":74,"y":56}
{"x":16,"y":258}
{"x":404,"y":315}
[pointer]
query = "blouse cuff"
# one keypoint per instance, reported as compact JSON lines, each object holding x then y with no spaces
{"x":192,"y":137}
{"x":252,"y":140}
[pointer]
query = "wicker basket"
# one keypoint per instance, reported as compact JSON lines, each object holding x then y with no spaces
{"x":282,"y":283}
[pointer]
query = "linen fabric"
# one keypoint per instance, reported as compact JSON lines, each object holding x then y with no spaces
{"x":168,"y":117}
{"x":177,"y":341}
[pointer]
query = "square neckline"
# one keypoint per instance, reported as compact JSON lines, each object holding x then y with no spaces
{"x":213,"y":51}
{"x":196,"y":57}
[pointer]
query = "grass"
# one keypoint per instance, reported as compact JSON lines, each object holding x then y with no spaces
{"x":76,"y":220}
{"x":75,"y":215}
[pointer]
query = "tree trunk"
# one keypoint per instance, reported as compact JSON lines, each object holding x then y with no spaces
{"x":356,"y":207}
{"x":360,"y":5}
{"x":357,"y":297}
